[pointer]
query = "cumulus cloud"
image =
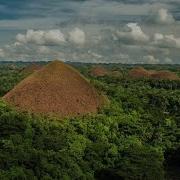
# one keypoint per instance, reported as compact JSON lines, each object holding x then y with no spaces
{"x":77,"y":36}
{"x":16,"y":44}
{"x":137,"y":45}
{"x":123,"y":58}
{"x":96,"y":55}
{"x":132,"y":32}
{"x":40,"y":37}
{"x":149,"y":59}
{"x":46,"y":52}
{"x":168,"y":60}
{"x":162,"y":16}
{"x":2,"y":53}
{"x":166,"y":41}
{"x":43,"y":50}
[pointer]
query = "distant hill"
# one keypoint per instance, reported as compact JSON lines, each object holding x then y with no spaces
{"x":140,"y":72}
{"x":99,"y":71}
{"x":164,"y":75}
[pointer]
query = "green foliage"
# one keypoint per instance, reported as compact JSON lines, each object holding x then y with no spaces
{"x":135,"y":137}
{"x":9,"y":78}
{"x":37,"y":148}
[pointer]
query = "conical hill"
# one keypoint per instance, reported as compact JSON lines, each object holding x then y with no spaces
{"x":56,"y":88}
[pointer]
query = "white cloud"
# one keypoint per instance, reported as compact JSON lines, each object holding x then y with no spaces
{"x":168,"y":60}
{"x":2,"y":53}
{"x":162,"y":16}
{"x":136,"y":44}
{"x":123,"y":58}
{"x":17,"y":44}
{"x":166,"y":41}
{"x":132,"y":32}
{"x":96,"y":55}
{"x":39,"y":37}
{"x":150,"y":59}
{"x":77,"y":36}
{"x":43,"y":50}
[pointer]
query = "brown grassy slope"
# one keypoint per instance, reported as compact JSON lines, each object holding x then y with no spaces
{"x":164,"y":75}
{"x":99,"y":71}
{"x":139,"y":72}
{"x":56,"y":88}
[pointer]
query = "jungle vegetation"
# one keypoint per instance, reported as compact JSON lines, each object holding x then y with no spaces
{"x":136,"y":136}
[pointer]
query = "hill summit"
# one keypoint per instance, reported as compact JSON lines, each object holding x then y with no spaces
{"x":56,"y":88}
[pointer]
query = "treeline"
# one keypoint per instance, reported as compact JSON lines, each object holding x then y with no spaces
{"x":9,"y":77}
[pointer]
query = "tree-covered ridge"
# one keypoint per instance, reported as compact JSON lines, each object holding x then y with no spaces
{"x":136,"y":136}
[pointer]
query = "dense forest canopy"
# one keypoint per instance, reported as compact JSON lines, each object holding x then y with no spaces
{"x":135,"y":136}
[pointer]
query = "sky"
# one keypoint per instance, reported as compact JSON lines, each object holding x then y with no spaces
{"x":93,"y":31}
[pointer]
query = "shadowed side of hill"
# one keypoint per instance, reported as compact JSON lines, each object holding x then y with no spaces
{"x":56,"y":88}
